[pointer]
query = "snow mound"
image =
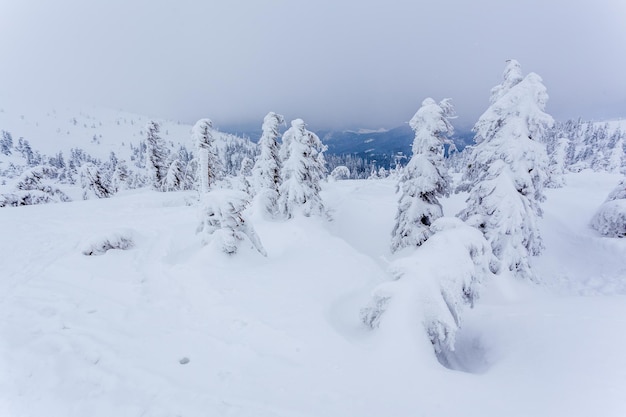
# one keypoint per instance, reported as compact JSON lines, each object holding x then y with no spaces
{"x":423,"y":293}
{"x":610,"y":219}
{"x":99,"y":245}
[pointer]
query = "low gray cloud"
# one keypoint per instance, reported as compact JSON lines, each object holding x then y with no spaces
{"x":334,"y":63}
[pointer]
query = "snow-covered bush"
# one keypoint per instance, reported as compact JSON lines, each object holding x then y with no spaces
{"x":429,"y":292}
{"x":31,"y":197}
{"x":610,"y":219}
{"x":35,"y":186}
{"x":99,"y":245}
{"x":223,"y":223}
{"x":340,"y":173}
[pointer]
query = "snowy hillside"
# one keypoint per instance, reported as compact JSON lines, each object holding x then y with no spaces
{"x":98,"y":131}
{"x":112,"y":144}
{"x":169,"y":327}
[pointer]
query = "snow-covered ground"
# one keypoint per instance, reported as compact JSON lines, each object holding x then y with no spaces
{"x":172,"y":328}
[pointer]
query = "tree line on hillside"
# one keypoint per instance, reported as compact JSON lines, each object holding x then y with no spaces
{"x":104,"y":178}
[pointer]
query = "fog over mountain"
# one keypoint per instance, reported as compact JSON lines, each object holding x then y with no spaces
{"x":335,"y":64}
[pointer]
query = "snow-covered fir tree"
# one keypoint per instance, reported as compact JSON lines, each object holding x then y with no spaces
{"x":93,"y":183}
{"x":33,"y":158}
{"x":266,"y":171}
{"x":175,"y":177}
{"x":616,"y":152}
{"x":120,"y":178}
{"x":425,"y":177}
{"x":208,"y":161}
{"x":512,"y":75}
{"x":507,"y":171}
{"x":557,"y":154}
{"x":6,"y":142}
{"x":245,"y":174}
{"x":156,"y":154}
{"x":302,"y":170}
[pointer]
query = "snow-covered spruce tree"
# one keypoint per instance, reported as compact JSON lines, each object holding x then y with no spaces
{"x":189,"y":166}
{"x":266,"y":171}
{"x":610,"y":219}
{"x":156,"y":154}
{"x":303,"y":167}
{"x":245,"y":173}
{"x":223,"y":222}
{"x":208,"y":164}
{"x":425,"y":177}
{"x":557,"y":154}
{"x":616,"y":155}
{"x":93,"y":183}
{"x":120,"y":178}
{"x":6,"y":142}
{"x":507,"y":171}
{"x":512,"y":75}
{"x":175,"y":177}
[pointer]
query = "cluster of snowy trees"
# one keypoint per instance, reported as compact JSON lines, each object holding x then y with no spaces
{"x":575,"y":145}
{"x":152,"y":162}
{"x":518,"y":151}
{"x":496,"y":233}
{"x":282,"y":182}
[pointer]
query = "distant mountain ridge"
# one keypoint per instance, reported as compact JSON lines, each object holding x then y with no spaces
{"x":379,"y":145}
{"x":374,"y":145}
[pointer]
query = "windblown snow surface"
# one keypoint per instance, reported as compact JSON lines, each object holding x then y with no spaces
{"x":162,"y":326}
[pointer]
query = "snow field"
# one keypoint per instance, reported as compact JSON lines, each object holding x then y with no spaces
{"x":280,"y":335}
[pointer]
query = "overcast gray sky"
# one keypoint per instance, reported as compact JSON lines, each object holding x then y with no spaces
{"x":333,"y":63}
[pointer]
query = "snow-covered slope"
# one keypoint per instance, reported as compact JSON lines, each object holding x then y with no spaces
{"x":98,"y":131}
{"x":170,"y":328}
